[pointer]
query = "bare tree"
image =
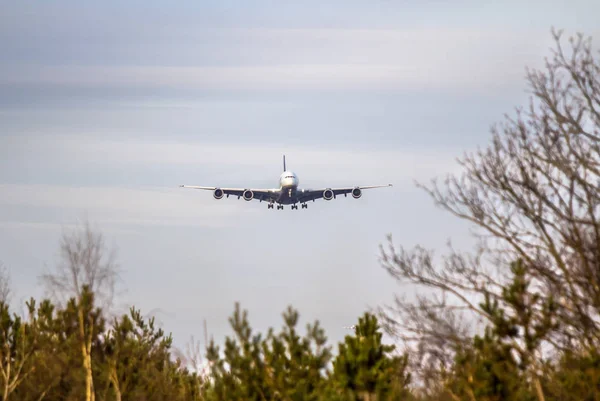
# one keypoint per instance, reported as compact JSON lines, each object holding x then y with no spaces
{"x":532,"y":195}
{"x":85,"y":262}
{"x":86,"y":273}
{"x":193,"y":354}
{"x":194,"y":360}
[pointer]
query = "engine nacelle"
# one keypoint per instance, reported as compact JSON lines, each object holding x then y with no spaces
{"x":328,"y":194}
{"x":356,"y":193}
{"x":248,"y":195}
{"x":218,"y":194}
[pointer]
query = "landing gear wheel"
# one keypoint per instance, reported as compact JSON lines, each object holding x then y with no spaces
{"x":304,"y":206}
{"x":270,"y":206}
{"x":279,"y":207}
{"x":294,"y":207}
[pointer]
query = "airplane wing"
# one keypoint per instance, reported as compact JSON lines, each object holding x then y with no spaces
{"x":246,"y":193}
{"x":331,"y":193}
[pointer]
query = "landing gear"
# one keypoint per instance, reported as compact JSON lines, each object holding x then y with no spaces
{"x":293,"y":207}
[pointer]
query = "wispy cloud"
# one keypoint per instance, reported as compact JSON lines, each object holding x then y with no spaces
{"x":109,"y":205}
{"x":321,"y":165}
{"x":319,"y":59}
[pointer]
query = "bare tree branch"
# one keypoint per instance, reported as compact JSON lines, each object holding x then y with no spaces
{"x":85,"y":262}
{"x":533,"y":195}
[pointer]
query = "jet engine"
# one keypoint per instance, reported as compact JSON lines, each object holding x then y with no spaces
{"x":356,"y":193}
{"x":248,"y":195}
{"x":328,"y":194}
{"x":218,"y":194}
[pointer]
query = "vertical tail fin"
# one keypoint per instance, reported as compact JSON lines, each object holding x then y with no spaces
{"x":284,"y":169}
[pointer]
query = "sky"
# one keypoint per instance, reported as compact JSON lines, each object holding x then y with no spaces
{"x":106,"y":107}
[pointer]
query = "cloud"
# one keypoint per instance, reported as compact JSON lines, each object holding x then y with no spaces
{"x":299,"y":77}
{"x":109,"y":205}
{"x":312,"y":59}
{"x":321,"y":165}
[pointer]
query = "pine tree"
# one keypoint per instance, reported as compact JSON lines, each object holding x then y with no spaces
{"x":574,"y":377}
{"x":502,"y":363}
{"x":57,"y":366}
{"x":364,"y":368}
{"x":137,"y":361}
{"x":295,"y":364}
{"x":82,"y":322}
{"x":18,"y":346}
{"x":283,"y":366}
{"x":240,"y":374}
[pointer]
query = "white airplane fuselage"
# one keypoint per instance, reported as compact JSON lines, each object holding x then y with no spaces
{"x":288,"y":185}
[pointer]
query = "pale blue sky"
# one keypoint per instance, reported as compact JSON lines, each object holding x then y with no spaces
{"x":105,"y":108}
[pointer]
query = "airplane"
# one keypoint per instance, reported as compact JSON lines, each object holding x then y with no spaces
{"x":288,"y":192}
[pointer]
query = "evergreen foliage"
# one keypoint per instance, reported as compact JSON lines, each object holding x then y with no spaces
{"x":282,"y":366}
{"x":364,"y":368}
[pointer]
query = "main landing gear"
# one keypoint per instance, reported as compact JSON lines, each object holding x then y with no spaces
{"x":280,"y":207}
